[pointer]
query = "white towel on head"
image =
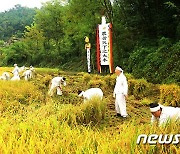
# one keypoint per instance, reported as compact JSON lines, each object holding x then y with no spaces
{"x":119,"y":68}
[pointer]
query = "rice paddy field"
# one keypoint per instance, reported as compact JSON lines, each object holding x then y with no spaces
{"x":33,"y":122}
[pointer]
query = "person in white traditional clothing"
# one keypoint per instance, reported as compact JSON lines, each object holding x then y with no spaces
{"x":56,"y":83}
{"x":90,"y":93}
{"x":15,"y":70}
{"x":5,"y":76}
{"x":120,"y":93}
{"x":22,"y":69}
{"x":27,"y":75}
{"x":15,"y":73}
{"x":164,"y":114}
{"x":31,"y":68}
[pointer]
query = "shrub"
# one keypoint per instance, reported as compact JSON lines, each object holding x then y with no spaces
{"x":96,"y":83}
{"x":139,"y":88}
{"x":170,"y":94}
{"x":129,"y":76}
{"x":146,"y":101}
{"x":93,"y":110}
{"x":131,"y":84}
{"x":71,"y":115}
{"x":96,"y":77}
{"x":87,"y":77}
{"x":110,"y":80}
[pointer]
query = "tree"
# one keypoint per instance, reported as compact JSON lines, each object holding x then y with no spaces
{"x":13,"y":22}
{"x":49,"y":21}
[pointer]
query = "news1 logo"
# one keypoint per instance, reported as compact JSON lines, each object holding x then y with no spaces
{"x":161,"y":139}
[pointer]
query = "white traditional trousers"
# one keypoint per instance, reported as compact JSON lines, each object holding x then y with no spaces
{"x":120,"y":105}
{"x":58,"y":88}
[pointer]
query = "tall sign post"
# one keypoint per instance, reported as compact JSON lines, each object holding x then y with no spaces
{"x":88,"y":48}
{"x":104,"y":47}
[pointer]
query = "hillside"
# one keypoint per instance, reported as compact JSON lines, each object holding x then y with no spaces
{"x":33,"y":122}
{"x":145,"y":36}
{"x":14,"y":21}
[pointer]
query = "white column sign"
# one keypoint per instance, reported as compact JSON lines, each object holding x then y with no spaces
{"x":103,"y":41}
{"x":88,"y":60}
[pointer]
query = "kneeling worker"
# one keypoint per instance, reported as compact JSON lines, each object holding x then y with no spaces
{"x":163,"y":114}
{"x":90,"y":93}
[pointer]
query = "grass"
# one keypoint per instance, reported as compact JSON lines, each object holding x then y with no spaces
{"x":33,"y":122}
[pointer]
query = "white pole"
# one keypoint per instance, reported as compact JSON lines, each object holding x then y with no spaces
{"x":89,"y":60}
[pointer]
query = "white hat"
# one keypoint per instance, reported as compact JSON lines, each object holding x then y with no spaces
{"x":15,"y":64}
{"x":154,"y":107}
{"x":119,"y":68}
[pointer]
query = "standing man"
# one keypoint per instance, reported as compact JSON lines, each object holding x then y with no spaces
{"x":56,"y":83}
{"x":164,"y":114}
{"x":120,"y":93}
{"x":15,"y":73}
{"x":15,"y":70}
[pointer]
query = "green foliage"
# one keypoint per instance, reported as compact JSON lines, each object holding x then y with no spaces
{"x":34,"y":40}
{"x":17,"y":53}
{"x":157,"y":65}
{"x":145,"y":36}
{"x":13,"y":22}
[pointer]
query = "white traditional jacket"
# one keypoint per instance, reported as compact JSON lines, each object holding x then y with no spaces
{"x":168,"y":113}
{"x":121,"y":86}
{"x":88,"y":94}
{"x":16,"y":71}
{"x":56,"y":81}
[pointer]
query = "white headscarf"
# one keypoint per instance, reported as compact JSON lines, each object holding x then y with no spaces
{"x":154,"y":109}
{"x":119,"y":68}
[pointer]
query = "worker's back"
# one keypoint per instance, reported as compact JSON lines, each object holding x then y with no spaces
{"x":93,"y":92}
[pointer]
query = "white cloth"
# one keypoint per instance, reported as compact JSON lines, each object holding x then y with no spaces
{"x":118,"y":68}
{"x":15,"y":78}
{"x":21,"y":68}
{"x":120,"y":105}
{"x":154,"y":109}
{"x":168,"y":113}
{"x":5,"y":76}
{"x":120,"y":91}
{"x":92,"y":92}
{"x":56,"y":82}
{"x":2,"y":78}
{"x":16,"y":71}
{"x":32,"y":68}
{"x":121,"y":86}
{"x":27,"y":75}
